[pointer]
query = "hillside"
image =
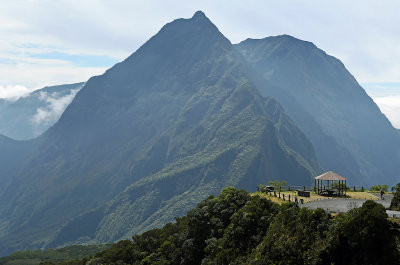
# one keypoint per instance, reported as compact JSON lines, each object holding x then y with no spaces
{"x":34,"y":257}
{"x":347,"y":129}
{"x":176,"y":121}
{"x":31,"y":115}
{"x":238,"y":228}
{"x":12,"y":155}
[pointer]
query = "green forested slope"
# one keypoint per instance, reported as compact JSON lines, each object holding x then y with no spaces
{"x":237,"y":228}
{"x":34,"y":257}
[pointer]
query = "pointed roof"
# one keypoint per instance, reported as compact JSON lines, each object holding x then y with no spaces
{"x":330,"y":176}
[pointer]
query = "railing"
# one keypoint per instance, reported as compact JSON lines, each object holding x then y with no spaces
{"x":285,"y":197}
{"x":354,"y":188}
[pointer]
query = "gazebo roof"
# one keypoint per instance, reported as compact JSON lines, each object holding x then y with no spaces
{"x":330,"y":176}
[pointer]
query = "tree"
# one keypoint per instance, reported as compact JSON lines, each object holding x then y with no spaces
{"x":277,"y":184}
{"x":379,"y":188}
{"x":395,"y":204}
{"x":295,"y":236}
{"x":363,"y":236}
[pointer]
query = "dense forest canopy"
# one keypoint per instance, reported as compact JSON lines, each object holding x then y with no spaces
{"x":240,"y":228}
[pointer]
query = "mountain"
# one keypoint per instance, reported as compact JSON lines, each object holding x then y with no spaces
{"x":327,"y":103}
{"x":176,"y":121}
{"x":11,"y":156}
{"x":31,"y":115}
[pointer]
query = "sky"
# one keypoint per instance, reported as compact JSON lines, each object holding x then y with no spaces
{"x":387,"y":97}
{"x":45,"y":42}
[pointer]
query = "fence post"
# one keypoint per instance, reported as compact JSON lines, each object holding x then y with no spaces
{"x":283,"y":196}
{"x":279,"y":194}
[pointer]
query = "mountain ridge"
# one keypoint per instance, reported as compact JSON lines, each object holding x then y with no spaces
{"x":322,"y":87}
{"x":34,"y":113}
{"x":153,"y":135}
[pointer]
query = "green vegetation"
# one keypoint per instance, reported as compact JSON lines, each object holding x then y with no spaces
{"x":379,"y":188}
{"x":32,"y":257}
{"x":237,"y":228}
{"x":395,"y":204}
{"x":277,"y":184}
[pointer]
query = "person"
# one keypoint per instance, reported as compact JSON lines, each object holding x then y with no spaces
{"x":382,"y":192}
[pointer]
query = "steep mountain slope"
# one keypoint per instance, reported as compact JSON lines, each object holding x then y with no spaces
{"x":306,"y":76}
{"x":30,"y":116}
{"x":177,"y":120}
{"x":12,"y":155}
{"x":241,"y":144}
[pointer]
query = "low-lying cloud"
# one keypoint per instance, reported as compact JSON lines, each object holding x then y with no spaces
{"x":54,"y":108}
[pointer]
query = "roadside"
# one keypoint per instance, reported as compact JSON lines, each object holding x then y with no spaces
{"x":344,"y":205}
{"x":333,"y":204}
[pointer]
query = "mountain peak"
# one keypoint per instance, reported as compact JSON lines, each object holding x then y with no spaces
{"x":196,"y":35}
{"x":200,"y":19}
{"x":199,"y":15}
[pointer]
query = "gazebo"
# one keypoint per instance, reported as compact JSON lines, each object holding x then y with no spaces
{"x":324,"y":184}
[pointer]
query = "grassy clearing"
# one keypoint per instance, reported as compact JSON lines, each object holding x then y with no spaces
{"x":361,"y":195}
{"x":315,"y":197}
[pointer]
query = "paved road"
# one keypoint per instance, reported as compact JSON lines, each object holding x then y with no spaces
{"x":344,"y":205}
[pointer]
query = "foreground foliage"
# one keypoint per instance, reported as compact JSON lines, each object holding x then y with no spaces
{"x":30,"y":257}
{"x":379,"y":188}
{"x":395,"y":204}
{"x":237,"y":228}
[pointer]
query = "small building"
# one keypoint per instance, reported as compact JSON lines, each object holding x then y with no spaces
{"x":330,"y":183}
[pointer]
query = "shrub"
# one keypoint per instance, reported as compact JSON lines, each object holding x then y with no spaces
{"x":379,"y":188}
{"x":395,"y":204}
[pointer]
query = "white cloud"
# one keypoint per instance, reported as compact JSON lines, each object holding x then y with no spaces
{"x":362,"y":33}
{"x":12,"y":93}
{"x":391,"y":107}
{"x":51,"y":72}
{"x":55,"y":107}
{"x":387,"y":97}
